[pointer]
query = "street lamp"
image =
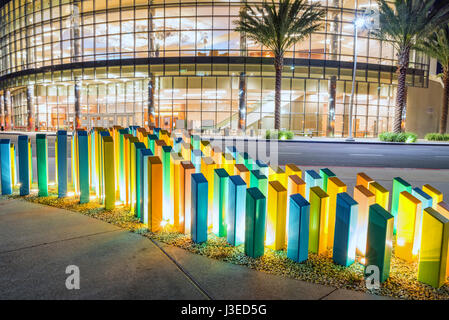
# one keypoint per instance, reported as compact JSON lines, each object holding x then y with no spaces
{"x":369,"y":20}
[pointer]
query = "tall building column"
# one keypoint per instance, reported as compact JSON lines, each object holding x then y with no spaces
{"x":242,"y":101}
{"x":76,"y":31}
{"x":7,"y":107}
{"x":30,"y":104}
{"x":332,"y":91}
{"x":77,"y":120}
{"x":151,"y":111}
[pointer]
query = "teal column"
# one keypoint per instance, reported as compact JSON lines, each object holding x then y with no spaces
{"x":24,"y":165}
{"x":61,"y":140}
{"x":177,"y":144}
{"x":259,"y":180}
{"x":221,"y":181}
{"x":156,"y":132}
{"x":298,"y":228}
{"x":345,"y":235}
{"x":244,"y":158}
{"x":255,"y":216}
{"x":42,"y":164}
{"x":195,"y":141}
{"x":151,"y":141}
{"x":426,"y":200}
{"x":262,"y":167}
{"x":168,"y":213}
{"x":5,"y":166}
{"x":144,"y":187}
{"x":379,"y":242}
{"x":399,"y":185}
{"x":325,"y":174}
{"x":196,"y":159}
{"x":236,"y":210}
{"x":139,"y":146}
{"x":83,"y":165}
{"x":199,"y":189}
{"x":312,"y":179}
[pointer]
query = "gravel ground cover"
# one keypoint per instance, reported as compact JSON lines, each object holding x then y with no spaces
{"x":318,"y":269}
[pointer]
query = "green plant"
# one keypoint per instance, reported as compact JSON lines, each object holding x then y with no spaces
{"x":404,"y":23}
{"x":405,"y":137}
{"x":281,"y":135}
{"x":278,"y":25}
{"x":437,"y":137}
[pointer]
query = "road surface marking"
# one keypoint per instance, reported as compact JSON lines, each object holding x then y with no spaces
{"x":366,"y":155}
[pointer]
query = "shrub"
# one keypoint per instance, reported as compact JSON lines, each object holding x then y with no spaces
{"x":437,"y":137}
{"x":407,"y":137}
{"x":281,"y":135}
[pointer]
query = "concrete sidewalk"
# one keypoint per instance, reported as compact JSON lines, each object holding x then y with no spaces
{"x":37,"y":243}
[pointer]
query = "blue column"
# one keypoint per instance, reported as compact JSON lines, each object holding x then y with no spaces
{"x":345,"y":235}
{"x":24,"y":165}
{"x":232,"y":150}
{"x":262,"y":167}
{"x":144,"y":155}
{"x":312,"y":179}
{"x":255,"y":216}
{"x":5,"y":166}
{"x":157,"y":131}
{"x":196,"y":159}
{"x":236,"y":210}
{"x":298,"y":228}
{"x":61,"y":140}
{"x":83,"y":165}
{"x":199,"y":208}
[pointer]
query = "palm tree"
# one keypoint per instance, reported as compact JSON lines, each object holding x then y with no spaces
{"x":403,"y":23}
{"x":437,"y":46}
{"x":278,"y":26}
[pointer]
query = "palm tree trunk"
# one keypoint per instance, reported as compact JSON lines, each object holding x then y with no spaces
{"x":445,"y":105}
{"x":401,"y":96}
{"x":278,"y":65}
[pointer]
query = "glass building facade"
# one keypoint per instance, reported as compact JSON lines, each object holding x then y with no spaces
{"x":120,"y":61}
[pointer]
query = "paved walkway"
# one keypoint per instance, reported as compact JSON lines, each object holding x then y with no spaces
{"x":37,"y":243}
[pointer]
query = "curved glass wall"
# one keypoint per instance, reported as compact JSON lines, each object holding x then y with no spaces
{"x":188,"y":49}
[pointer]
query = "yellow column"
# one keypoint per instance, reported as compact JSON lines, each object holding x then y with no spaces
{"x":175,"y":177}
{"x":275,"y":173}
{"x":228,"y":162}
{"x":276,"y":216}
{"x":109,"y":172}
{"x":291,"y":169}
{"x":154,"y":194}
{"x":319,"y":206}
{"x":205,"y":147}
{"x":242,"y":171}
{"x":334,"y":187}
{"x":436,"y":194}
{"x":382,"y":194}
{"x":409,"y":209}
{"x":363,"y":180}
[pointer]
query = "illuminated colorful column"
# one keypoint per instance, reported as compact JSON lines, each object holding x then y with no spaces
{"x":12,"y":148}
{"x":152,"y":142}
{"x":443,"y":209}
{"x":129,"y":142}
{"x":186,"y":150}
{"x":74,"y":155}
{"x":144,"y":184}
{"x":295,"y":185}
{"x":259,"y":180}
{"x":228,"y":163}
{"x":42,"y":164}
{"x":196,"y":159}
{"x":319,"y":206}
{"x":25,"y":173}
{"x":176,"y":182}
{"x":326,"y":173}
{"x":244,"y":158}
{"x":262,"y":167}
{"x":276,"y":173}
{"x":363,"y":180}
{"x":177,"y":144}
{"x":136,"y":171}
{"x":166,"y":183}
{"x":334,"y":187}
{"x":276,"y":215}
{"x":426,"y":202}
{"x":199,"y":208}
{"x":221,"y":181}
{"x":121,"y":164}
{"x":83,"y":165}
{"x":109,"y":172}
{"x":242,"y":171}
{"x":379,"y":242}
{"x":382,"y":194}
{"x":207,"y":169}
{"x":206,"y":148}
{"x":408,"y":216}
{"x":235,"y":215}
{"x":399,"y":185}
{"x":255,"y":217}
{"x":158,"y":144}
{"x":195,"y":142}
{"x":298,"y":228}
{"x":345,"y":230}
{"x":436,"y":194}
{"x":5,"y":166}
{"x":61,"y":162}
{"x":232,"y":150}
{"x":187,"y":169}
{"x":312,"y":179}
{"x":292,"y":169}
{"x":433,"y":257}
{"x":156,"y":131}
{"x":155,"y":204}
{"x":365,"y":199}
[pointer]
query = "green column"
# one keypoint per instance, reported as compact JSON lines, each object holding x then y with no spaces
{"x":42,"y":165}
{"x":221,"y":181}
{"x":399,"y":185}
{"x":325,"y":173}
{"x":255,"y":216}
{"x":83,"y":165}
{"x":259,"y":180}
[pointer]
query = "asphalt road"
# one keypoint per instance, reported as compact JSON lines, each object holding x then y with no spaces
{"x":329,"y":154}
